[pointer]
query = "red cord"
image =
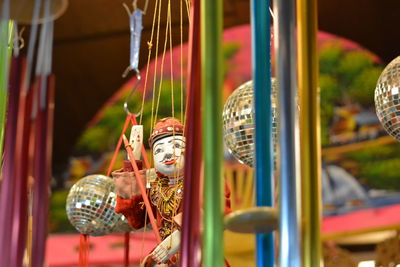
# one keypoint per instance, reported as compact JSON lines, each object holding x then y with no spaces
{"x":127,"y":120}
{"x":84,"y":250}
{"x":126,"y":259}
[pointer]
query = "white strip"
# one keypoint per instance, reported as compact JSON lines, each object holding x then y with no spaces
{"x":31,"y":46}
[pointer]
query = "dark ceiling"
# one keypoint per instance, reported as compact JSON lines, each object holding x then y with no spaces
{"x":91,"y":50}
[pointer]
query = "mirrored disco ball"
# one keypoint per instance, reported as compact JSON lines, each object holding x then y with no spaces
{"x":387,"y":98}
{"x":90,"y":206}
{"x":238,"y":124}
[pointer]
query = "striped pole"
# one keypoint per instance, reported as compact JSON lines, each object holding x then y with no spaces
{"x":310,"y":131}
{"x":261,"y":65}
{"x":211,"y":69}
{"x":289,"y":195}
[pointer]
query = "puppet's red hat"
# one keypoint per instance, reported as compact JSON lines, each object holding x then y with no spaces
{"x":166,"y":127}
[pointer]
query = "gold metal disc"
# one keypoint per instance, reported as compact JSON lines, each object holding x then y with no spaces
{"x":252,"y":220}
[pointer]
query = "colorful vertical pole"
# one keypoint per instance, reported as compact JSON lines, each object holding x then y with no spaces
{"x":42,"y":171}
{"x":190,"y":245}
{"x":288,"y":164}
{"x":6,"y":158}
{"x":261,"y":64}
{"x":6,"y":33}
{"x":211,"y":55}
{"x":310,"y":131}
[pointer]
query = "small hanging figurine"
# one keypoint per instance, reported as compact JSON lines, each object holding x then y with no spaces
{"x":165,"y":187}
{"x":165,"y":184}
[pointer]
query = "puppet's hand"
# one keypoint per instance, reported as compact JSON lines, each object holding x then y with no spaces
{"x":126,"y":183}
{"x":166,"y":249}
{"x":123,"y":186}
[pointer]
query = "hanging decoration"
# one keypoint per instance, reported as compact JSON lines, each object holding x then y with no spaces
{"x":6,"y":34}
{"x":238,"y":121}
{"x":24,"y":148}
{"x":42,"y":132}
{"x":212,"y":79}
{"x":90,"y":206}
{"x":261,"y":73}
{"x":154,"y":195}
{"x":310,"y":144}
{"x":288,"y":162}
{"x":9,"y":88}
{"x":142,"y":194}
{"x":387,"y":98}
{"x":191,"y":233}
{"x":135,"y":26}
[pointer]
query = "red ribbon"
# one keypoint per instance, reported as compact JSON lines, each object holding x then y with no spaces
{"x":19,"y":217}
{"x":8,"y":171}
{"x":42,"y":172}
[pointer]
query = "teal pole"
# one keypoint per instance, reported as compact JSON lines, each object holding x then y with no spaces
{"x":261,"y":71}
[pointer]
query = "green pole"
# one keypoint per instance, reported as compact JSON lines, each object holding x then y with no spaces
{"x":6,"y":29}
{"x":211,"y":57}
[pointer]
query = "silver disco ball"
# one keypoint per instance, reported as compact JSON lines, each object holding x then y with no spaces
{"x":387,"y":98}
{"x":90,"y":206}
{"x":238,"y":123}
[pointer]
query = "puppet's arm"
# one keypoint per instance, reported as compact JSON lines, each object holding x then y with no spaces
{"x":129,"y":200}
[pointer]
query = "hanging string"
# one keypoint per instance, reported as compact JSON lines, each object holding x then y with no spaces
{"x":183,"y":115}
{"x":188,"y":8}
{"x":183,"y":111}
{"x":155,"y":67}
{"x":171,"y":61}
{"x":146,"y":4}
{"x":150,"y":47}
{"x":162,"y":67}
{"x":181,"y":48}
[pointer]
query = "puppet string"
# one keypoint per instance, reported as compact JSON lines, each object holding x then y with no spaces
{"x":150,"y":47}
{"x":155,"y":66}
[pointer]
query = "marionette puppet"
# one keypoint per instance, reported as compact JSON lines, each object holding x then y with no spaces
{"x":164,"y":186}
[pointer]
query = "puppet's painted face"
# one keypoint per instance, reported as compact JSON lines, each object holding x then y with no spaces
{"x":168,"y":154}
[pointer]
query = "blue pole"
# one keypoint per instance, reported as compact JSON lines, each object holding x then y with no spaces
{"x":261,"y":65}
